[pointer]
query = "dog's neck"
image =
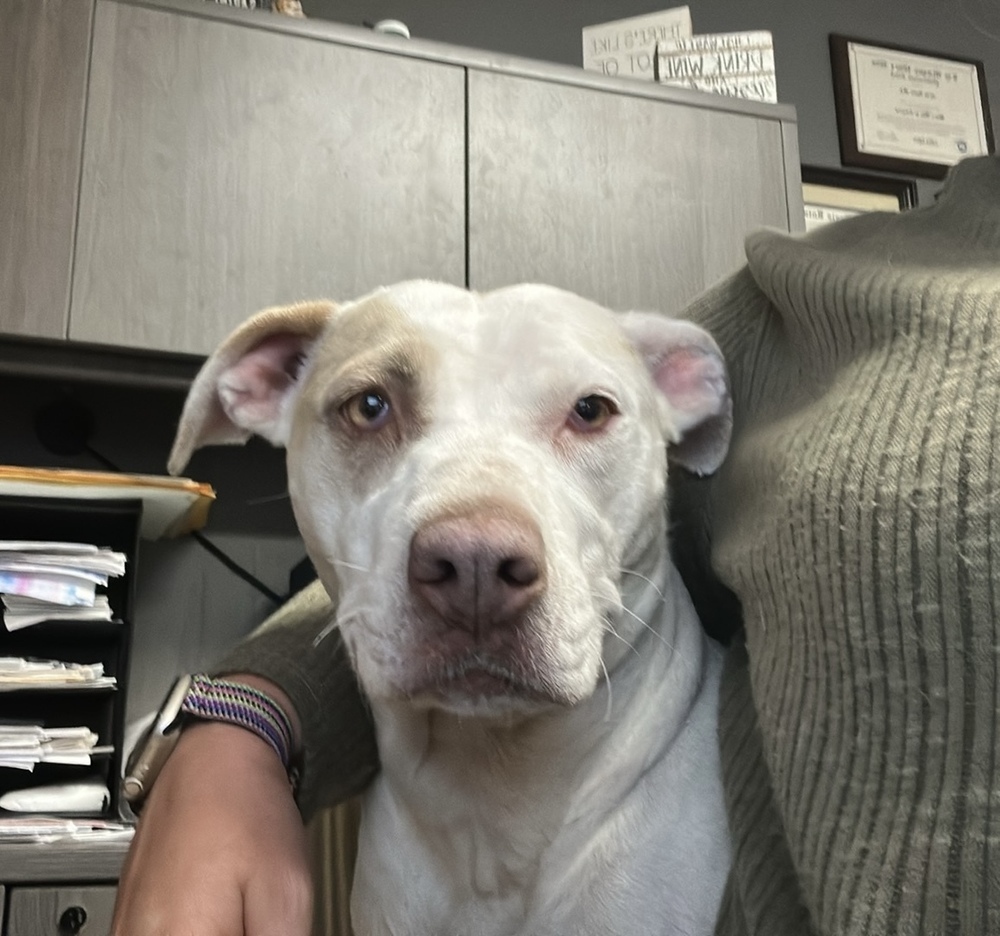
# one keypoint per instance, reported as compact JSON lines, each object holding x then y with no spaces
{"x":545,"y":770}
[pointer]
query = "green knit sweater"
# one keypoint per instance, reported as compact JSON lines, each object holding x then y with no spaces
{"x":852,"y":524}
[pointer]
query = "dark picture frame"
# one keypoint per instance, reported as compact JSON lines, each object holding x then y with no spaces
{"x":924,"y":78}
{"x":832,"y":194}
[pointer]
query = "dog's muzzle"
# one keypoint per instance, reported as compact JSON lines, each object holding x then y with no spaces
{"x":474,"y":575}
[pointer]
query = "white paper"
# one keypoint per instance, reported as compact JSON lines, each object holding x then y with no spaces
{"x":40,"y":580}
{"x":20,"y":612}
{"x":760,"y":87}
{"x":735,"y":64}
{"x":34,"y":829}
{"x":46,"y":546}
{"x":90,"y":796}
{"x":72,"y":555}
{"x":625,"y":47}
{"x":50,"y":570}
{"x":18,"y":673}
{"x":24,"y":745}
{"x":58,"y":589}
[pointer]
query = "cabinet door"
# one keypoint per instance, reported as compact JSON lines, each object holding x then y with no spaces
{"x":227,"y":168}
{"x":55,"y":911}
{"x":43,"y":72}
{"x":632,"y":201}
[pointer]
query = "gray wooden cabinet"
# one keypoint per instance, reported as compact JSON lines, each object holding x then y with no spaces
{"x":43,"y":65}
{"x":228,"y":168}
{"x":634,"y":201}
{"x":231,"y":160}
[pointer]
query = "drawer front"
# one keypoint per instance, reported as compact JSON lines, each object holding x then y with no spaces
{"x":60,"y":911}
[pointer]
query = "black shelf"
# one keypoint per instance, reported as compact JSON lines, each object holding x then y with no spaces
{"x":113,"y":524}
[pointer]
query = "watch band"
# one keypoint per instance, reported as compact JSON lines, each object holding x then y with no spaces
{"x":204,"y":698}
{"x":239,"y":704}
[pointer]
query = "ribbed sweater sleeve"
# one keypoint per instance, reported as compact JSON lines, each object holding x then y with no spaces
{"x":854,"y":521}
{"x":298,"y":650}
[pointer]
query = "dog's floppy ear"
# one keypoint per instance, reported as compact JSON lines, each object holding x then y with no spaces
{"x":242,"y":388}
{"x":686,"y":364}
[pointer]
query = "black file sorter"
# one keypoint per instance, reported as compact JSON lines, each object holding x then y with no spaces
{"x":110,"y":523}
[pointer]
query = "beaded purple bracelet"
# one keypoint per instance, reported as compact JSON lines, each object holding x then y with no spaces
{"x":243,"y":705}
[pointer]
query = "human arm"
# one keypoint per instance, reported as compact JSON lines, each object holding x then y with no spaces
{"x":220,"y":845}
{"x":220,"y":842}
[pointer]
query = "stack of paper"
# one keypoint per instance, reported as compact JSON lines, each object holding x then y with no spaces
{"x":21,"y":612}
{"x":24,"y":746}
{"x":19,"y":673}
{"x":42,"y":581}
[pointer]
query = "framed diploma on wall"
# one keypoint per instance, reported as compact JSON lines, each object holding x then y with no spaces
{"x":833,"y":194}
{"x":908,"y":111}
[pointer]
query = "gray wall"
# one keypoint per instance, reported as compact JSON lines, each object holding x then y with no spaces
{"x":550,"y":30}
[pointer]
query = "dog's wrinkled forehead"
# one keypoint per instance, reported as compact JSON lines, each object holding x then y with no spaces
{"x":523,"y":351}
{"x":375,"y":330}
{"x":413,"y":330}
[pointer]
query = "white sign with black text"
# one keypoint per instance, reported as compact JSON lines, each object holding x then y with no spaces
{"x":626,"y":48}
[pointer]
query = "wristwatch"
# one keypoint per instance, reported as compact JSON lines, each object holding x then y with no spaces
{"x":205,"y":698}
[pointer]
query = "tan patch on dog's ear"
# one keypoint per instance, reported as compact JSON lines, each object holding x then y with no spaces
{"x":241,"y":389}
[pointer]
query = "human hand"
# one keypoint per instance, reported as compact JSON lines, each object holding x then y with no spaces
{"x":220,"y":848}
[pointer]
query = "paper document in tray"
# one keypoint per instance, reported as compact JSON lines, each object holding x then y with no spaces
{"x":20,"y":612}
{"x":24,"y":746}
{"x":45,"y":580}
{"x":36,"y":829}
{"x":83,"y":556}
{"x":17,"y":673}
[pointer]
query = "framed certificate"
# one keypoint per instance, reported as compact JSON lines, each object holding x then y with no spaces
{"x":908,"y":111}
{"x":833,"y":194}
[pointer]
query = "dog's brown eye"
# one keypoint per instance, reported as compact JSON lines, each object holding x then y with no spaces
{"x":592,"y":412}
{"x":368,"y":410}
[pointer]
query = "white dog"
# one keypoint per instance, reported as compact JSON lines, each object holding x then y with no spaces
{"x":481,"y":479}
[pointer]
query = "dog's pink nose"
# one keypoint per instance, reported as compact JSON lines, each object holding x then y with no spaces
{"x":479,"y":568}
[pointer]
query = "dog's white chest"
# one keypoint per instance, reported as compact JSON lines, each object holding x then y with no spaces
{"x":604,"y":844}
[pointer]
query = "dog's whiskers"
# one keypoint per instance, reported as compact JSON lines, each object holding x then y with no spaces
{"x":266,"y":499}
{"x":348,"y":565}
{"x":646,"y":579}
{"x":336,"y":623}
{"x":333,"y":625}
{"x":611,"y":630}
{"x":607,"y":682}
{"x":652,"y":630}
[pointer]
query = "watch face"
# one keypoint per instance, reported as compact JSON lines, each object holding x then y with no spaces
{"x":145,"y":765}
{"x":155,"y":745}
